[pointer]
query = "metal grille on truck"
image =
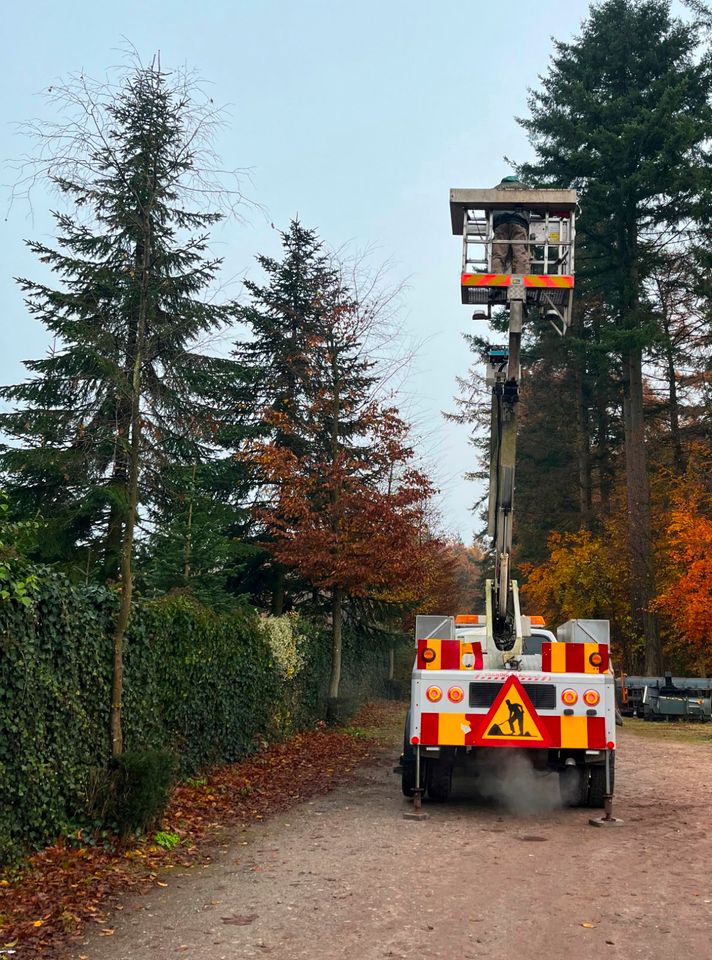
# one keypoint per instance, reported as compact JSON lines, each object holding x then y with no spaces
{"x":542,"y":695}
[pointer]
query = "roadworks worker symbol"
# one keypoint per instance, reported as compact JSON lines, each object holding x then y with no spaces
{"x":512,"y":720}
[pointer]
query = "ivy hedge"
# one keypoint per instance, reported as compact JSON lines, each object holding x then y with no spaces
{"x":209,"y":687}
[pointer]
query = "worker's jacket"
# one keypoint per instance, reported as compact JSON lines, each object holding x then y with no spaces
{"x":516,"y":215}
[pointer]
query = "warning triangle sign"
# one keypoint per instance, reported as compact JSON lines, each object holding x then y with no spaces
{"x":512,"y":720}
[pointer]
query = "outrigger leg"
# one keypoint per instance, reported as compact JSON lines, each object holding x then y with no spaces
{"x":418,"y":795}
{"x":417,"y":813}
{"x":607,"y":820}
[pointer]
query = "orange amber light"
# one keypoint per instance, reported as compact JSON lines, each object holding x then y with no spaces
{"x":456,"y":694}
{"x":591,"y":698}
{"x":595,"y":659}
{"x":434,"y":694}
{"x":569,"y":697}
{"x":428,"y":654}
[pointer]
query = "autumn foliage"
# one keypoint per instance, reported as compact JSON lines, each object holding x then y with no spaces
{"x":586,"y":573}
{"x":585,"y":576}
{"x":350,"y":518}
{"x":687,"y":596}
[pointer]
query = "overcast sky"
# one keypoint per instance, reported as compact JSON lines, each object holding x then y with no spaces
{"x":356,"y":116}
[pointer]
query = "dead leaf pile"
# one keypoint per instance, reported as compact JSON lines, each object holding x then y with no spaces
{"x":56,"y":893}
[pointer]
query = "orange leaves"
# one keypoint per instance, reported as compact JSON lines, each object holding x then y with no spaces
{"x":347,"y":513}
{"x":585,"y":575}
{"x":687,"y":596}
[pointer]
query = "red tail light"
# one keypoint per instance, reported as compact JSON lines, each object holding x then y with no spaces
{"x":456,"y":694}
{"x":591,"y":698}
{"x":434,"y":694}
{"x":569,"y":697}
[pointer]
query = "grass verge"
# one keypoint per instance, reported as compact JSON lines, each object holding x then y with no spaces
{"x":680,"y":730}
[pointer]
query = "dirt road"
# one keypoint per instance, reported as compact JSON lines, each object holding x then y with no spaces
{"x":345,"y":876}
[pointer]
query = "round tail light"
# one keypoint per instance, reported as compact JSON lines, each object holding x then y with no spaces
{"x":569,"y":697}
{"x":434,"y":694}
{"x":456,"y":694}
{"x":428,"y":654}
{"x":591,"y":698}
{"x":595,"y":659}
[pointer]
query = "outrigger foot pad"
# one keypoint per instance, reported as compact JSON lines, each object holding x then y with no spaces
{"x":607,"y":820}
{"x":416,"y":815}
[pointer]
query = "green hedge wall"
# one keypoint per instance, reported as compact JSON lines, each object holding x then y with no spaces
{"x":208,"y":686}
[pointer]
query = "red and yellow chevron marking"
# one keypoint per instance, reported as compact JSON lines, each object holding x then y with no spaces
{"x":547,"y":280}
{"x":531,"y":280}
{"x":449,"y":655}
{"x":463,"y":730}
{"x":486,"y":279}
{"x":574,"y":657}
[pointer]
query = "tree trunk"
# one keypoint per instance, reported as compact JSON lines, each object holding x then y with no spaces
{"x":337,"y":599}
{"x":117,"y":682}
{"x":134,"y":465}
{"x":603,"y":452}
{"x":583,"y":446}
{"x":638,"y":502}
{"x":119,"y":479}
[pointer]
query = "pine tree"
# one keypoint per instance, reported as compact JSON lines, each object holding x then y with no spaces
{"x":623,"y":115}
{"x":125,"y":393}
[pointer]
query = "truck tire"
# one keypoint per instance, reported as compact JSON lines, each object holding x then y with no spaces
{"x":439,"y":779}
{"x":597,"y":792}
{"x":574,"y":786}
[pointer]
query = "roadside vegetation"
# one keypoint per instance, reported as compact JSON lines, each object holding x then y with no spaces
{"x":52,"y":897}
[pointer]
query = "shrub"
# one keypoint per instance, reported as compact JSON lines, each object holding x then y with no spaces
{"x":140,"y":789}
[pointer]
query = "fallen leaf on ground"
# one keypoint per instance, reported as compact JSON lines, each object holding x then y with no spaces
{"x":589,"y":926}
{"x":240,"y":921}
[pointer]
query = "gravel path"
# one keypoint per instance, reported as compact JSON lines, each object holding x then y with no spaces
{"x":345,"y":876}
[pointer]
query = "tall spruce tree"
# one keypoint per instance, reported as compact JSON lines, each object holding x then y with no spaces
{"x":124,"y":393}
{"x":623,"y":114}
{"x":285,"y":318}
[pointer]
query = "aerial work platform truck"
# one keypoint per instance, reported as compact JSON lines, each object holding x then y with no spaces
{"x":499,"y":680}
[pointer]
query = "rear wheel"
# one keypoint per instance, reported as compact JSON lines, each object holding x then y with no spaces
{"x":439,"y":779}
{"x":597,"y":793}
